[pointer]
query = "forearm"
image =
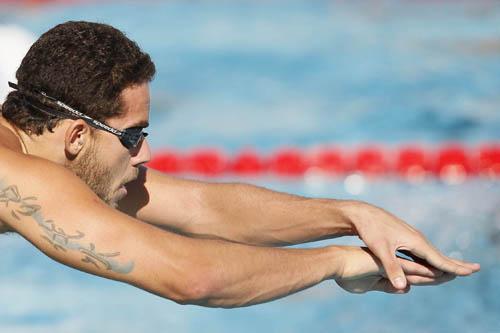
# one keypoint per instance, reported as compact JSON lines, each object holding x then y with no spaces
{"x":254,"y":215}
{"x":187,"y":270}
{"x":92,"y":237}
{"x":236,"y":212}
{"x":236,"y":275}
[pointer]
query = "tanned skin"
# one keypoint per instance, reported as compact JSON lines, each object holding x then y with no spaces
{"x":193,"y":242}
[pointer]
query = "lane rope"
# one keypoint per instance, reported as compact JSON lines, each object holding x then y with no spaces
{"x":452,"y":163}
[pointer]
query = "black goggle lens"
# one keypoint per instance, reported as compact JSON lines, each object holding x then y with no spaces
{"x":132,"y":137}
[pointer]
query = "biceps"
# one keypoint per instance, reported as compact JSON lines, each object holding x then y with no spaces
{"x":56,"y":212}
{"x":164,"y":200}
{"x":82,"y":232}
{"x":66,"y":237}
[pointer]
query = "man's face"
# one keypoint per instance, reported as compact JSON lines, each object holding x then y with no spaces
{"x":106,"y":165}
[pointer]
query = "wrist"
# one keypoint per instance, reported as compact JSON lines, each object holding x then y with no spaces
{"x":336,"y":257}
{"x":354,"y":262}
{"x":348,"y":212}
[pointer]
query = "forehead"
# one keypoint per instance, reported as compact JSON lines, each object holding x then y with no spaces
{"x":135,"y":102}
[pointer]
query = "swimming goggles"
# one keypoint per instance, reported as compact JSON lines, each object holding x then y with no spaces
{"x":129,"y":137}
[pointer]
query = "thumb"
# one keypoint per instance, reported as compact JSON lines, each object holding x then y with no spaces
{"x":392,"y":268}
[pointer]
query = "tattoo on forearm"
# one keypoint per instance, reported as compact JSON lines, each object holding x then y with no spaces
{"x":56,"y":236}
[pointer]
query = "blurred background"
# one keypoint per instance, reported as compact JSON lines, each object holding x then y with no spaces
{"x":300,"y":74}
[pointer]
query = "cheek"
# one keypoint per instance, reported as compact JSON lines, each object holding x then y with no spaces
{"x":117,"y":171}
{"x":120,"y":164}
{"x":115,"y":158}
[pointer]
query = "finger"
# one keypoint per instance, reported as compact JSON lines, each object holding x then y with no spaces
{"x":413,"y":268}
{"x":440,"y":261}
{"x":429,"y":281}
{"x":474,"y":266}
{"x":392,"y":267}
{"x":384,"y":285}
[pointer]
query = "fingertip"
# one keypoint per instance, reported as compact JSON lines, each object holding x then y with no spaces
{"x":399,"y":283}
{"x":472,"y":266}
{"x":406,"y":290}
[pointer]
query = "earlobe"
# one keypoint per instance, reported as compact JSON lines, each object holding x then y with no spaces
{"x":75,"y":138}
{"x":73,"y":148}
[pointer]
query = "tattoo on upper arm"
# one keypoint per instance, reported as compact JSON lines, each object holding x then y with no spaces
{"x":56,"y":236}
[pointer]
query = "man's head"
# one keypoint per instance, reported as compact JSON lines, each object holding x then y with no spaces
{"x":95,"y":69}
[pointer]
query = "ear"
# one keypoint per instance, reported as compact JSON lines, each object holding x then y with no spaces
{"x":77,"y":135}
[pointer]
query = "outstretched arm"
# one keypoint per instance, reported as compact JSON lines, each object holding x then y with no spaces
{"x":254,"y":215}
{"x":57,"y":213}
{"x":236,"y":212}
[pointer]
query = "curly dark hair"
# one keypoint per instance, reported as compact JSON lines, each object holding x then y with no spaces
{"x":85,"y":65}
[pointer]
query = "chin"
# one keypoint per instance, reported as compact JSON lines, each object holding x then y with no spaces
{"x":118,"y":195}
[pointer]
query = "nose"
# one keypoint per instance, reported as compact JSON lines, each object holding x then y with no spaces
{"x":142,"y":154}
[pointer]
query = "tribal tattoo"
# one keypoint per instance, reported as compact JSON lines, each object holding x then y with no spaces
{"x":56,"y":236}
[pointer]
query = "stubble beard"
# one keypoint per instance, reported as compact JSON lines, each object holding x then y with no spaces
{"x":95,"y":175}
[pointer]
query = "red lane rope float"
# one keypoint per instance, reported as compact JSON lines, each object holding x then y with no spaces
{"x":452,"y":163}
{"x":330,"y":161}
{"x":413,"y":163}
{"x":248,"y":162}
{"x":489,"y":160}
{"x":168,"y":161}
{"x":372,"y":161}
{"x":288,"y":162}
{"x":208,"y":161}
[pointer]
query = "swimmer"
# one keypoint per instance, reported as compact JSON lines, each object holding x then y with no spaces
{"x":73,"y":183}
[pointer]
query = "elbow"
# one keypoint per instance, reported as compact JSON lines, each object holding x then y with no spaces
{"x":192,"y":289}
{"x":196,"y":293}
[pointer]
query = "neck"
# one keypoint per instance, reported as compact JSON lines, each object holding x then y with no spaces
{"x":21,"y":140}
{"x":18,"y":140}
{"x":9,"y":137}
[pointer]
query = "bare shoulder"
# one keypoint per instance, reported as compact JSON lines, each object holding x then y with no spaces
{"x":7,"y":157}
{"x":7,"y":147}
{"x":8,"y":139}
{"x":35,"y":172}
{"x":18,"y":170}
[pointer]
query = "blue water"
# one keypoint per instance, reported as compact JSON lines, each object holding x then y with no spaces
{"x":300,"y":73}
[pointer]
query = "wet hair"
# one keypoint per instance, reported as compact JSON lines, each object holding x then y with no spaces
{"x":84,"y":65}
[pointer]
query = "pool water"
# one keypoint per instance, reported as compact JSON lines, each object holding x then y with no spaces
{"x":233,"y":74}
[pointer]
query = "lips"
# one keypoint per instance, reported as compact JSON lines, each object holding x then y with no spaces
{"x":129,"y":181}
{"x":122,"y":185}
{"x":136,"y":175}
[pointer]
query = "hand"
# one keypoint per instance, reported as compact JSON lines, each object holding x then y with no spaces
{"x":384,"y":234}
{"x":362,"y":272}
